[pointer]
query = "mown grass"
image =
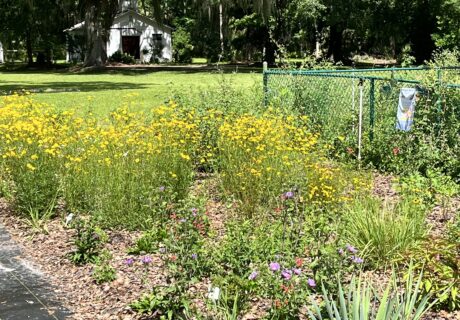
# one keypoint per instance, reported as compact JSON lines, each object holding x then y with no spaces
{"x":103,"y":92}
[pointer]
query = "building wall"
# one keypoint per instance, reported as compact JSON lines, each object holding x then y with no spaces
{"x":132,"y":24}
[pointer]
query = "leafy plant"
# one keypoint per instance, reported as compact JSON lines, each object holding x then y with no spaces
{"x":149,"y":241}
{"x":164,"y":303}
{"x":227,"y":307}
{"x":88,"y":240}
{"x":362,"y":302}
{"x":103,"y":271}
{"x":441,"y":272}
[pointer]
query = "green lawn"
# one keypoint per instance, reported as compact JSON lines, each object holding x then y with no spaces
{"x":104,"y":91}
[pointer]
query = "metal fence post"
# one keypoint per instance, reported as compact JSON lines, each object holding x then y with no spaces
{"x":372,"y":108}
{"x":265,"y":75}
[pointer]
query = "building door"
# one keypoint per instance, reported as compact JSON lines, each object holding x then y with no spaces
{"x":131,"y":46}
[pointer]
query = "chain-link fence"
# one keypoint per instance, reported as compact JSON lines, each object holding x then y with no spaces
{"x":333,"y":99}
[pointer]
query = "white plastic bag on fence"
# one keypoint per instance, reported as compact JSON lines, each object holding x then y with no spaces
{"x":406,"y":108}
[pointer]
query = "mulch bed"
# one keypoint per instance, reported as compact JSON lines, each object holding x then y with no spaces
{"x":76,"y":289}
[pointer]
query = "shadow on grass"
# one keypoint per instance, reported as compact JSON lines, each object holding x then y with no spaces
{"x":141,"y":69}
{"x":8,"y":87}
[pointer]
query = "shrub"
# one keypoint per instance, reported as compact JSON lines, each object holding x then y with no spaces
{"x":182,"y":45}
{"x":120,"y":57}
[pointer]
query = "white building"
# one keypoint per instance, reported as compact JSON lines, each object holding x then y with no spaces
{"x":1,"y":53}
{"x":131,"y":33}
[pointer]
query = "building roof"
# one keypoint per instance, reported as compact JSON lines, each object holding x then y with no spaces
{"x":150,"y":21}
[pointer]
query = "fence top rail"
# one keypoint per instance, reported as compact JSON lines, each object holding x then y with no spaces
{"x":340,"y":71}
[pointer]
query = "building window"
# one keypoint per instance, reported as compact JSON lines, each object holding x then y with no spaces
{"x":157,"y":37}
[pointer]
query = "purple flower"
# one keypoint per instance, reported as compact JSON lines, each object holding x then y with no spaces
{"x":274,"y":266}
{"x":288,"y":195}
{"x":253,"y":275}
{"x":357,"y":260}
{"x":297,"y":271}
{"x":162,"y":188}
{"x":129,"y":261}
{"x":341,"y":252}
{"x":311,"y":283}
{"x":146,"y":259}
{"x":286,"y":274}
{"x":194,"y":212}
{"x":194,"y":256}
{"x":351,"y":248}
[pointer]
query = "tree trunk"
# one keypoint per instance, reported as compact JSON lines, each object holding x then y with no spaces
{"x":96,"y":54}
{"x":29,"y":49}
{"x":221,"y":31}
{"x":335,"y":43}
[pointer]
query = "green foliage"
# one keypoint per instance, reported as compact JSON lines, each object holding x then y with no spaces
{"x":103,"y":271}
{"x":384,"y":231}
{"x":362,"y":302}
{"x":89,"y":240}
{"x":120,"y":57}
{"x":439,"y":260}
{"x":448,"y":33}
{"x":149,"y":241}
{"x":37,"y":220}
{"x":164,"y":303}
{"x":182,"y":46}
{"x":36,"y":186}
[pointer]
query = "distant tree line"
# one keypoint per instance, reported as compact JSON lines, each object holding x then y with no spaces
{"x":243,"y":30}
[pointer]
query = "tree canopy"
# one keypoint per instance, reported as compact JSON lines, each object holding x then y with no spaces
{"x":243,"y":30}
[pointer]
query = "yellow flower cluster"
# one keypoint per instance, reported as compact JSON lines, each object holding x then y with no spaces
{"x":115,"y":164}
{"x":93,"y":158}
{"x":263,"y":157}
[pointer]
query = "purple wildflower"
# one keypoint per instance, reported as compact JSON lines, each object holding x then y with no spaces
{"x":357,"y":260}
{"x":194,"y":256}
{"x":129,"y":261}
{"x":274,"y":266}
{"x":253,"y":275}
{"x":146,"y":259}
{"x":311,"y":283}
{"x":286,"y":274}
{"x":297,"y":271}
{"x":288,"y":195}
{"x":194,"y":212}
{"x":162,"y":188}
{"x":351,"y":248}
{"x":341,"y":252}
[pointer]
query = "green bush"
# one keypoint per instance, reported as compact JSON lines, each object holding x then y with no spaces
{"x":120,"y":57}
{"x":182,"y":45}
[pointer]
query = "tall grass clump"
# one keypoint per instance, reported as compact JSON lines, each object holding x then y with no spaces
{"x":384,"y":230}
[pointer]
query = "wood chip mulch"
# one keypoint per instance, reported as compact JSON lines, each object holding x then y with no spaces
{"x":76,"y":289}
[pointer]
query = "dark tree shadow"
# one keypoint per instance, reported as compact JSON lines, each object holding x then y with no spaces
{"x":8,"y":87}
